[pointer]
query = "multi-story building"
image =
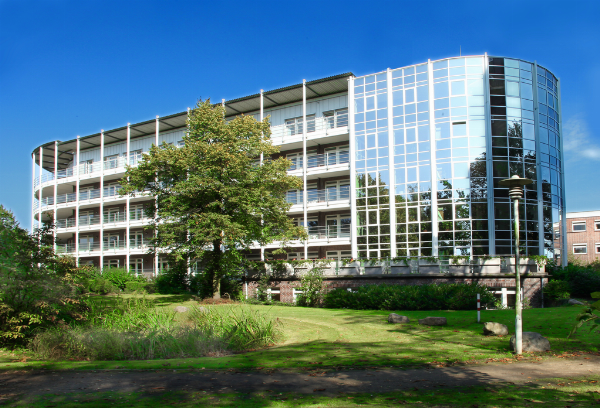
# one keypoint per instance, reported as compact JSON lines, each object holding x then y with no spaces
{"x":583,"y":235}
{"x":401,"y":163}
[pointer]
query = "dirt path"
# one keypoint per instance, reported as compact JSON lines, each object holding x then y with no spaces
{"x":327,"y":382}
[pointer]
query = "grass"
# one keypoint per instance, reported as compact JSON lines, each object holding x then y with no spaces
{"x":558,"y":392}
{"x":338,"y":338}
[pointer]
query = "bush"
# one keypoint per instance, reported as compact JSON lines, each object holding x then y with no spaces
{"x":102,"y":286}
{"x":137,"y":286}
{"x":120,"y":276}
{"x":135,"y":330}
{"x":311,"y":286}
{"x":455,"y":296}
{"x":557,"y":290}
{"x":582,"y":279}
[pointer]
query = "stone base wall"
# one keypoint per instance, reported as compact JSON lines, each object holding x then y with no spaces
{"x":532,"y":285}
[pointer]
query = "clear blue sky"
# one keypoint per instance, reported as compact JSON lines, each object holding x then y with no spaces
{"x":71,"y":68}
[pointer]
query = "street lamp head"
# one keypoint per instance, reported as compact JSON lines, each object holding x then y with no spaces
{"x":515,"y":185}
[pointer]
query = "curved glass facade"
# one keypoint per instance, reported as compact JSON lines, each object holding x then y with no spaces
{"x":430,"y":144}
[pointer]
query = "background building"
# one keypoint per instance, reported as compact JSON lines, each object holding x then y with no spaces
{"x":405,"y":162}
{"x":583,"y":235}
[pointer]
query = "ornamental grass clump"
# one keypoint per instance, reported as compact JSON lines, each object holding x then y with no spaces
{"x":136,"y":330}
{"x":454,"y":296}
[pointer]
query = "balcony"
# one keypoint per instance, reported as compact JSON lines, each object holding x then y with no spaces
{"x":321,"y":160}
{"x":114,"y":217}
{"x":294,"y":128}
{"x":327,"y":196}
{"x":329,"y":232}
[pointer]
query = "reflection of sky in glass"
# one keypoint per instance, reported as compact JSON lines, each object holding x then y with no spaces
{"x":396,"y":137}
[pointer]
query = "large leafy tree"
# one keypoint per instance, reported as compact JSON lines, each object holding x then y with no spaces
{"x":213,"y":198}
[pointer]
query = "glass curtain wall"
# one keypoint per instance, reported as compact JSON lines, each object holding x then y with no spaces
{"x":404,"y":117}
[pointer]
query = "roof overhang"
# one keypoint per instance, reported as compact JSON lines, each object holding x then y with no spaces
{"x":248,"y":104}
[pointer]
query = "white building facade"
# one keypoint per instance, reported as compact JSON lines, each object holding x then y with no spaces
{"x":401,"y":163}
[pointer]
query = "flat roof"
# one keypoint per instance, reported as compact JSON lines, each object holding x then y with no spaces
{"x":251,"y":103}
{"x":583,"y":214}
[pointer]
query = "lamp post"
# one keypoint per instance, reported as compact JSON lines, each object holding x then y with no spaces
{"x":515,"y":191}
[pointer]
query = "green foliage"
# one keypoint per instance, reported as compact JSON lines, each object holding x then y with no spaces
{"x":37,"y":288}
{"x":455,"y":296}
{"x":135,"y":329}
{"x":262,"y":287}
{"x":583,"y":279}
{"x":590,"y":313}
{"x":311,"y":286}
{"x":213,"y":201}
{"x":557,"y":290}
{"x":120,"y":276}
{"x":139,"y":286}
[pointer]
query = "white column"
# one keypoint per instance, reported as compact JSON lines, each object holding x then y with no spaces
{"x":41,"y":162}
{"x":354,"y":228}
{"x":127,"y":152}
{"x":189,"y":261}
{"x":101,"y":199}
{"x":304,"y":165}
{"x":156,"y":199}
{"x":434,"y":209}
{"x":55,"y":189}
{"x":77,"y":184}
{"x":32,"y":191}
{"x":563,"y":207}
{"x":262,"y":248}
{"x":390,"y":115}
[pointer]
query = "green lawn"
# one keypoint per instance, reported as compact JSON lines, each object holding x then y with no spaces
{"x":559,"y":392}
{"x":339,"y":337}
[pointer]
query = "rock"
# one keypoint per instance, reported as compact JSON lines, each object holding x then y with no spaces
{"x":574,"y":302}
{"x":532,"y":342}
{"x":181,"y":309}
{"x":433,"y":321}
{"x":494,"y":329}
{"x":202,"y":309}
{"x":396,"y":318}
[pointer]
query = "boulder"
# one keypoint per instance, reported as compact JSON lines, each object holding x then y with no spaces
{"x":396,"y":318}
{"x":574,"y":302}
{"x":532,"y":342}
{"x":494,"y":329}
{"x":181,"y":309}
{"x":433,"y":321}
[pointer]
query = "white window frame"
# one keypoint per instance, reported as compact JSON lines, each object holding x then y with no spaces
{"x":163,"y":265}
{"x":294,"y":125}
{"x":180,"y":143}
{"x":86,"y":166}
{"x":338,"y":185}
{"x":136,"y":240}
{"x":336,"y":118}
{"x":135,"y":156}
{"x":111,"y":238}
{"x":136,"y":209}
{"x":597,"y":248}
{"x":115,"y":187}
{"x":111,"y":162}
{"x":597,"y":225}
{"x":296,"y":159}
{"x":337,"y":155}
{"x":111,"y":263}
{"x":136,"y":265}
{"x":578,"y":223}
{"x":584,"y":246}
{"x":338,"y":232}
{"x":300,"y":255}
{"x":112,"y":214}
{"x":338,"y":255}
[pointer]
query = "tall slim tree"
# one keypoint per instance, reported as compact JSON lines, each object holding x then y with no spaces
{"x":213,"y":198}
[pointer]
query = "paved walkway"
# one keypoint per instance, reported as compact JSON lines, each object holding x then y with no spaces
{"x":328,"y":382}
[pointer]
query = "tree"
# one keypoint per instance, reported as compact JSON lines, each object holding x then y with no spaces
{"x":37,"y":288}
{"x":213,"y":198}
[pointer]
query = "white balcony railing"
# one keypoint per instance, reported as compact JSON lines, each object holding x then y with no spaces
{"x":321,"y":160}
{"x":86,"y":221}
{"x":296,"y":128}
{"x":320,"y":196}
{"x":114,"y":217}
{"x":66,"y":223}
{"x":329,"y":232}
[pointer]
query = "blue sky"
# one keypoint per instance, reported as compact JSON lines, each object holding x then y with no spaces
{"x":71,"y":68}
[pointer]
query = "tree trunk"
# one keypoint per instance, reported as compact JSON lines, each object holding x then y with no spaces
{"x":216,"y":269}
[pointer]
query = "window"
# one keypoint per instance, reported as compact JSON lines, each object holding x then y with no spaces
{"x":86,"y":166}
{"x":580,"y":248}
{"x":294,"y":196}
{"x":113,"y":215}
{"x":111,"y":189}
{"x":136,"y":265}
{"x":338,"y":255}
{"x":111,"y":263}
{"x":337,"y":155}
{"x":134,"y":157}
{"x":300,"y":255}
{"x":136,"y":240}
{"x":598,"y":248}
{"x":163,"y":265}
{"x":180,"y":143}
{"x":597,"y":225}
{"x":296,"y":159}
{"x":578,"y":226}
{"x":294,"y":125}
{"x":111,"y":162}
{"x":338,"y":226}
{"x":136,"y":212}
{"x":86,"y":218}
{"x":336,"y":118}
{"x":86,"y":243}
{"x":337,"y":190}
{"x":112,"y":241}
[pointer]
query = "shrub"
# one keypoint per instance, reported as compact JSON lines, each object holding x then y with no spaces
{"x":120,"y":276}
{"x":455,"y":296}
{"x":137,"y":286}
{"x":102,"y":286}
{"x":311,"y":286}
{"x":583,"y":279}
{"x":557,"y":290}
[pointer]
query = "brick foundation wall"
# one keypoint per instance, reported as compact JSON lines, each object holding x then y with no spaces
{"x":532,"y":286}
